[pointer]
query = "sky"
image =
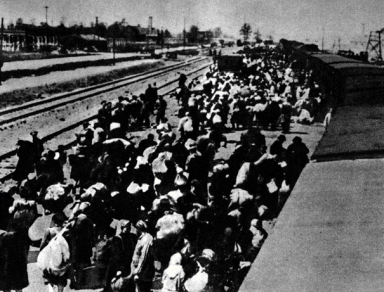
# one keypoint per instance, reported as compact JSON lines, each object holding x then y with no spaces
{"x":303,"y":20}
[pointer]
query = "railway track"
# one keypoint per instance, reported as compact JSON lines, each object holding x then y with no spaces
{"x":23,"y":111}
{"x":9,"y":159}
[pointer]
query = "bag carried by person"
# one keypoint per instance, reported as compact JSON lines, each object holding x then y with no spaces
{"x":55,"y":257}
{"x":122,"y":284}
{"x":198,"y":282}
{"x":101,"y":253}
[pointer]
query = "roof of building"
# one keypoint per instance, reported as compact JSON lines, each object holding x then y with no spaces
{"x":354,"y":131}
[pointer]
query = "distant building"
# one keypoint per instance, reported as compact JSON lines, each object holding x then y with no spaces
{"x":204,"y":37}
{"x":27,"y":40}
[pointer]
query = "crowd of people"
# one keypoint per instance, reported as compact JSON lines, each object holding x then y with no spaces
{"x":162,"y":212}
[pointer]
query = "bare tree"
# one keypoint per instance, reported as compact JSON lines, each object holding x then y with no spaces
{"x":258,"y":36}
{"x":63,"y":20}
{"x":167,"y":34}
{"x":217,"y":32}
{"x":11,"y":25}
{"x":245,"y":31}
{"x":193,"y":34}
{"x":19,"y":22}
{"x":123,"y":22}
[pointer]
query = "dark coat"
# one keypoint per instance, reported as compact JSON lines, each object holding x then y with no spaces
{"x":14,"y":247}
{"x":25,"y":165}
{"x":82,"y":240}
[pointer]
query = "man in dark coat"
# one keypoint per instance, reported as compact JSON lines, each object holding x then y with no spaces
{"x":145,"y":143}
{"x":25,"y":165}
{"x":277,"y":146}
{"x":297,"y":158}
{"x":82,"y":239}
{"x":142,"y":267}
{"x":160,"y":106}
{"x":14,"y":247}
{"x":151,"y":96}
{"x":38,"y":145}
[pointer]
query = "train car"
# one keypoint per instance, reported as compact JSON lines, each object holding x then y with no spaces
{"x":231,"y":63}
{"x":329,"y":235}
{"x":347,"y":81}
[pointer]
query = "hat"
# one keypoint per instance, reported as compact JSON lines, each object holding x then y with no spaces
{"x":33,"y":133}
{"x":208,"y":254}
{"x":195,"y":183}
{"x":32,"y":176}
{"x":174,"y":196}
{"x":180,"y":180}
{"x":115,"y":126}
{"x":140,"y":160}
{"x":57,"y":156}
{"x":141,"y":225}
{"x":256,"y":222}
{"x":190,"y":144}
{"x":124,"y":223}
{"x":133,"y":189}
{"x":159,"y":164}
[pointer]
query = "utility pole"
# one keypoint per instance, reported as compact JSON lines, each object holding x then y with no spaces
{"x":322,"y":40}
{"x":2,"y":35}
{"x":96,"y":25}
{"x":184,"y":33}
{"x":162,"y":39}
{"x":46,"y":23}
{"x":46,"y":15}
{"x":1,"y":45}
{"x":114,"y":44}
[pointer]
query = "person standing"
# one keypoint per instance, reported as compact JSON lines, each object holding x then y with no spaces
{"x":1,"y":65}
{"x":185,"y":127}
{"x":277,"y":146}
{"x":53,"y":280}
{"x":160,"y":106}
{"x":142,"y":267}
{"x":151,"y":96}
{"x":14,"y":247}
{"x":286,"y":113}
{"x":82,"y":237}
{"x":38,"y":145}
{"x":173,"y":276}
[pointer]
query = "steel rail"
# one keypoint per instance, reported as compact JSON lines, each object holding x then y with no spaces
{"x":104,"y":87}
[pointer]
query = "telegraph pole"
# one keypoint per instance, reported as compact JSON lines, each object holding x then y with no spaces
{"x":1,"y":46}
{"x":46,"y":15}
{"x":114,"y":44}
{"x":184,"y":33}
{"x":46,"y":25}
{"x":322,"y":40}
{"x":1,"y":39}
{"x":96,"y":25}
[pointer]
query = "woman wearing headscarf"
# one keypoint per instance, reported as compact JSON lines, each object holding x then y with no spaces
{"x":53,"y":280}
{"x":173,"y":276}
